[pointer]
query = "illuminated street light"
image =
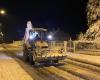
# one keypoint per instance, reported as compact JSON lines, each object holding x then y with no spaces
{"x":2,"y":12}
{"x":50,"y":37}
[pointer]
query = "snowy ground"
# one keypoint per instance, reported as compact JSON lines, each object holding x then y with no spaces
{"x":75,"y":67}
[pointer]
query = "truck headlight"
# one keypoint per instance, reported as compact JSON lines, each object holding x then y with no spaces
{"x":31,"y":37}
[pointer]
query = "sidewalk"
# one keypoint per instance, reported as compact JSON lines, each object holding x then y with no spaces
{"x":90,"y":59}
{"x":10,"y":69}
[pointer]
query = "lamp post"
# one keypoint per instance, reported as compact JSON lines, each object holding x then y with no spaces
{"x":2,"y":13}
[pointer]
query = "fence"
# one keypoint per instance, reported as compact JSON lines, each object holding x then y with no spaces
{"x":72,"y":46}
{"x":58,"y":44}
{"x":19,"y":43}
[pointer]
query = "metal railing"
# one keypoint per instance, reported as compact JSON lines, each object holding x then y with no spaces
{"x":58,"y":44}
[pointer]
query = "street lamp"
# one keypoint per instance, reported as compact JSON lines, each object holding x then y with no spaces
{"x":2,"y":12}
{"x":50,"y":37}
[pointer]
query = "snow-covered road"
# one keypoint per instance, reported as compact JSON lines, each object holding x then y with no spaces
{"x":75,"y":67}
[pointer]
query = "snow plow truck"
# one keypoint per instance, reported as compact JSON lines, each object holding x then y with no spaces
{"x":37,"y":48}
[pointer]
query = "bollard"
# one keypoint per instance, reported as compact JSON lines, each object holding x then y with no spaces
{"x":65,"y":46}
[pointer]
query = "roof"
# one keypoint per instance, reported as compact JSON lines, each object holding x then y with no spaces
{"x":38,"y":29}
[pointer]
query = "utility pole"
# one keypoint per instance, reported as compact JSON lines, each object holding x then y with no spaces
{"x":0,"y":27}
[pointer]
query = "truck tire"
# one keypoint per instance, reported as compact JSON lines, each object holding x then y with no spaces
{"x":55,"y":61}
{"x":25,"y":56}
{"x":31,"y":59}
{"x":25,"y":53}
{"x":34,"y":57}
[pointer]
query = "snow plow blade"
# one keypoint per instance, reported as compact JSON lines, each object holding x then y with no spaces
{"x":51,"y":58}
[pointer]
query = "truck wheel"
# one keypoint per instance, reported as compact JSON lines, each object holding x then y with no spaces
{"x":31,"y":59}
{"x":55,"y":61}
{"x":34,"y":57}
{"x":25,"y":56}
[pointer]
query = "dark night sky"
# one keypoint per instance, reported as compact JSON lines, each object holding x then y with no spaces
{"x":67,"y":15}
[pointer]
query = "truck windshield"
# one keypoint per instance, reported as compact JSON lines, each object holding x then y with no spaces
{"x":37,"y":35}
{"x":32,"y":35}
